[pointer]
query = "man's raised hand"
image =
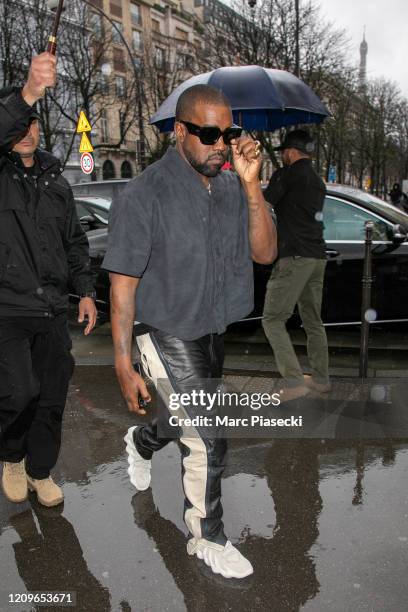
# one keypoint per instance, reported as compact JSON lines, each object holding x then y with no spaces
{"x":42,"y":74}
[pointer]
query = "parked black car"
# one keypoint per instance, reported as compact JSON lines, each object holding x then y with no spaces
{"x":345,"y":213}
{"x":103,"y":189}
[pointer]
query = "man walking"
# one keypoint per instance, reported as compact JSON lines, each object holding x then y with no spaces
{"x":297,"y":194}
{"x":42,"y":250}
{"x":181,"y":240}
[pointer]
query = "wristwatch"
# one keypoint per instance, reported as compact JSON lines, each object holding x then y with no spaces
{"x":90,"y":294}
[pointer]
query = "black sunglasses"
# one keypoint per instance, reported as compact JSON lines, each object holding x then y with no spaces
{"x":209,"y":135}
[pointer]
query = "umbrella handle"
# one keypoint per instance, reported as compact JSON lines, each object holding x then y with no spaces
{"x":52,"y":41}
{"x":52,"y":45}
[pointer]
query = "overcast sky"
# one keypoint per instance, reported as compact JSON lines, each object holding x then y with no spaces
{"x":386,"y":24}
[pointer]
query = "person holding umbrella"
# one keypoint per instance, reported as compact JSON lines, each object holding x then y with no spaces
{"x":182,"y":238}
{"x":43,"y":250}
{"x":297,"y":194}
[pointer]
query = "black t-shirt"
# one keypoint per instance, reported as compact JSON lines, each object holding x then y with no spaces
{"x":297,"y":194}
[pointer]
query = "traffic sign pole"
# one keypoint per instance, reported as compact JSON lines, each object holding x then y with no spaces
{"x":86,"y":148}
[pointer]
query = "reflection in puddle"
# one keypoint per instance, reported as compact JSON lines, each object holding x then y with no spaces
{"x":49,"y":558}
{"x":303,"y":511}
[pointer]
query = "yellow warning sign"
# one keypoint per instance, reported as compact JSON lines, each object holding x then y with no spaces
{"x":85,"y":146}
{"x":83,"y":124}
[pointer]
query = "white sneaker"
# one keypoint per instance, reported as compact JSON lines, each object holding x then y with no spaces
{"x":225,"y":560}
{"x":139,"y":469}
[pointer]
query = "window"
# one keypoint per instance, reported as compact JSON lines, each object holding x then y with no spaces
{"x":155,"y":25}
{"x":116,"y":7}
{"x":96,"y":25}
{"x":118,"y":60}
{"x":160,"y":57}
{"x":120,"y":85}
{"x":103,"y":84}
{"x":116,"y":37}
{"x":103,"y":122}
{"x":137,"y":40}
{"x":126,"y":170}
{"x":140,"y":153}
{"x":135,"y":14}
{"x":231,"y":46}
{"x":182,"y":34}
{"x":185,"y":62}
{"x":122,"y":120}
{"x":343,"y":221}
{"x":108,"y":170}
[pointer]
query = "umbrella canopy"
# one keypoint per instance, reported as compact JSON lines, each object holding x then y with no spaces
{"x":262,"y":99}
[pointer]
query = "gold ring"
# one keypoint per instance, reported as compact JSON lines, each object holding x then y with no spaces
{"x":257,"y":148}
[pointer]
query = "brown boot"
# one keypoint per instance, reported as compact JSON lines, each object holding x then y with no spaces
{"x":48,"y":493}
{"x":14,"y":481}
{"x":291,"y":393}
{"x":312,"y":384}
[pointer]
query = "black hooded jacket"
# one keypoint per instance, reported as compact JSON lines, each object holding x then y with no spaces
{"x":44,"y":251}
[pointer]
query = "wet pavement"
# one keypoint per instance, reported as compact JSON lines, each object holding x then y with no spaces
{"x":324,"y":522}
{"x":248,"y":350}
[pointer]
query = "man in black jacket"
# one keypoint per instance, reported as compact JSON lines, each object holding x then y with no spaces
{"x":43,"y":251}
{"x":297,"y":194}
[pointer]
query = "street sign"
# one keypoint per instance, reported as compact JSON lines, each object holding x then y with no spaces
{"x":87,"y":163}
{"x":85,"y":146}
{"x":83,"y":124}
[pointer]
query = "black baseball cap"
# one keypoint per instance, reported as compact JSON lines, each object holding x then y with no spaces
{"x":297,"y":139}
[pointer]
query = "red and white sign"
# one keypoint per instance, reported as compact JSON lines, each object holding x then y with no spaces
{"x":87,"y":163}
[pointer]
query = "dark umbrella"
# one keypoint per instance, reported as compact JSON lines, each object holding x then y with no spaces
{"x":262,"y":99}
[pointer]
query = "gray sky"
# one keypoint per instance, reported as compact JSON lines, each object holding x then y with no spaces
{"x":386,"y":24}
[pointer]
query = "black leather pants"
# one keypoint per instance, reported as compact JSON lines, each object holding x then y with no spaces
{"x":182,"y":363}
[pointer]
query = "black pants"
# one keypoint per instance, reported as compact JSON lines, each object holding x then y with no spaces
{"x":35,"y":367}
{"x":181,"y":364}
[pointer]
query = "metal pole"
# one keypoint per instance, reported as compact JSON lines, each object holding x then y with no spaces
{"x":367,"y":282}
{"x":297,"y":19}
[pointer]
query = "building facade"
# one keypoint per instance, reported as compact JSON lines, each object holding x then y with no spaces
{"x":152,"y":48}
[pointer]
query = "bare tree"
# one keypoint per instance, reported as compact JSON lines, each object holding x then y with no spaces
{"x":164,"y":67}
{"x":266,"y":36}
{"x":85,"y":45}
{"x":12,"y":57}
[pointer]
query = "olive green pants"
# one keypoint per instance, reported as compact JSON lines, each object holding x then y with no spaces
{"x":297,"y":281}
